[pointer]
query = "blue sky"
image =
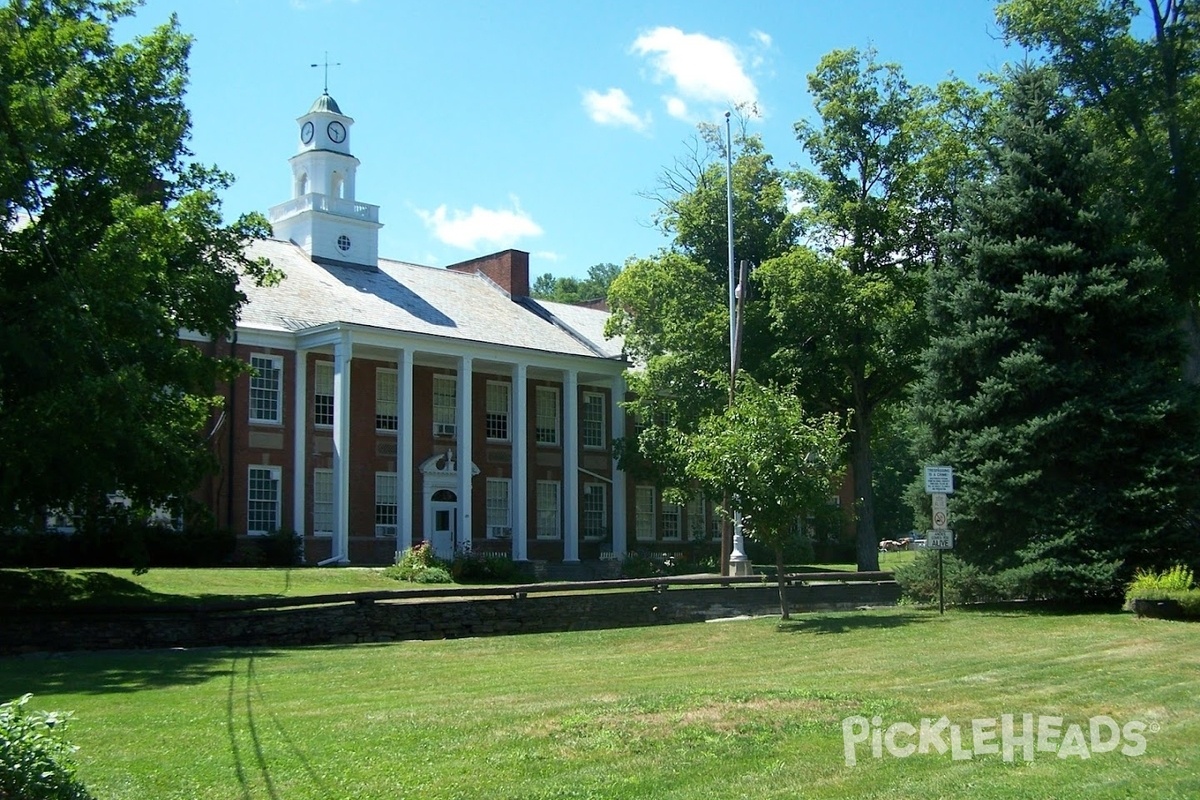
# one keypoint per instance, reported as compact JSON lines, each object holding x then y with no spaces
{"x":534,"y":125}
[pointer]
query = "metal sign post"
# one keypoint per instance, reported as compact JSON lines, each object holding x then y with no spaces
{"x":939,"y":482}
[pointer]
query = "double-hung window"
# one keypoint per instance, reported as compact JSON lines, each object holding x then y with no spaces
{"x":266,"y":389}
{"x":547,"y":411}
{"x":593,"y":420}
{"x":548,"y":506}
{"x":262,"y":500}
{"x":499,"y":508}
{"x":387,"y":418}
{"x":499,"y":404}
{"x":643,"y":513}
{"x":322,"y":502}
{"x":595,"y":511}
{"x":323,"y":394}
{"x":671,"y":527}
{"x":386,"y":511}
{"x":445,"y":405}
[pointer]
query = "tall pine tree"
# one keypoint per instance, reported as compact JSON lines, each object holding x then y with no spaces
{"x":1052,"y":382}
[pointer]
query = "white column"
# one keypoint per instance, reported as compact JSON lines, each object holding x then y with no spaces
{"x":571,"y":466}
{"x":619,"y":539}
{"x":404,"y":448}
{"x":519,"y":430}
{"x":463,"y":427}
{"x":300,"y":447}
{"x":342,"y":355}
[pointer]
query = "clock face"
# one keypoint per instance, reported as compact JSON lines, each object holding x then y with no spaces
{"x":337,"y":132}
{"x":306,"y":133}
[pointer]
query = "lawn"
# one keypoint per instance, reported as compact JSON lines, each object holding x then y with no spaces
{"x":719,"y":710}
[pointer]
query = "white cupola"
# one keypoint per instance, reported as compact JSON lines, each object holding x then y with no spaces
{"x":323,"y":218}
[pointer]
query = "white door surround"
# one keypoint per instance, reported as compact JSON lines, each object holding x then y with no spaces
{"x":439,"y":485}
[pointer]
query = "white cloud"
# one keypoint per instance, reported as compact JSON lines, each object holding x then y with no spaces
{"x":677,"y":108}
{"x":547,"y":255}
{"x":499,"y":228}
{"x":613,"y":108}
{"x":701,"y":69}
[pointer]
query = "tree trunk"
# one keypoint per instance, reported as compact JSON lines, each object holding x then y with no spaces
{"x":783,"y":604}
{"x":1190,"y":325}
{"x":862,"y":464}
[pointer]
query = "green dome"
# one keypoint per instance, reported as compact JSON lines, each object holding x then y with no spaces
{"x":325,"y":103}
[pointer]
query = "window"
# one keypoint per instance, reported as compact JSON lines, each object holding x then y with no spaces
{"x":386,"y":513}
{"x":322,"y":502}
{"x":593,"y":419}
{"x":445,"y":401}
{"x":671,"y":527}
{"x":498,"y":405}
{"x":546,"y":399}
{"x":595,"y":511}
{"x":323,"y":394}
{"x":499,"y":519}
{"x":262,"y":500}
{"x":548,"y":510}
{"x":266,"y":389}
{"x":386,"y":391}
{"x":696,"y":527}
{"x":716,"y":523}
{"x":643,"y":513}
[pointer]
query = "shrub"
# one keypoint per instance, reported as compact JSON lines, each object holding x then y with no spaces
{"x":35,"y":759}
{"x":475,"y":567}
{"x":1176,"y":585}
{"x":419,"y":565}
{"x":962,"y":582}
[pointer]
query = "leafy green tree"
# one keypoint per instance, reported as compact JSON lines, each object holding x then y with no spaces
{"x":111,"y":242}
{"x":845,"y":309}
{"x":573,"y":290}
{"x":1052,"y":382}
{"x":774,"y":463}
{"x":1134,"y":67}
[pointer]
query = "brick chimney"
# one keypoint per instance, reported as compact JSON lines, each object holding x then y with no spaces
{"x":508,"y":269}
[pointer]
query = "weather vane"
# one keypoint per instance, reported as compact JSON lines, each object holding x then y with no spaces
{"x":327,"y":65}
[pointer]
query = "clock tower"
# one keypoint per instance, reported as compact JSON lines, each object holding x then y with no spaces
{"x":323,"y":218}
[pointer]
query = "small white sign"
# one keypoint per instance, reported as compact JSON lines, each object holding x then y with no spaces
{"x":939,"y":540}
{"x":939,"y":502}
{"x":939,"y":480}
{"x":939,"y":520}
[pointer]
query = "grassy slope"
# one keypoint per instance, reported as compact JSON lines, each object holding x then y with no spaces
{"x":691,"y":711}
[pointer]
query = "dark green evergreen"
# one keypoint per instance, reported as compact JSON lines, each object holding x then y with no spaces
{"x":1052,"y":381}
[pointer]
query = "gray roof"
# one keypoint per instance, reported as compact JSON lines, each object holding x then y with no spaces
{"x":325,"y":103}
{"x":416,"y":299}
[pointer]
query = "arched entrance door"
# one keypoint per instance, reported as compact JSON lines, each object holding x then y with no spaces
{"x":443,"y":512}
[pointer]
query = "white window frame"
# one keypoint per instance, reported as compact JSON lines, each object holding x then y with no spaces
{"x":322,"y":494}
{"x":644,"y":518}
{"x":498,"y":411}
{"x":592,"y":429}
{"x":257,"y":502}
{"x":549,"y":510}
{"x":547,"y":415}
{"x":387,"y":505}
{"x":445,"y":417}
{"x":594,"y":506}
{"x":387,"y":400}
{"x":672,"y":522}
{"x":323,"y":394}
{"x":499,"y":508}
{"x":266,"y":381}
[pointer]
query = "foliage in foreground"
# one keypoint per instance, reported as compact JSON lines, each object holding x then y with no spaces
{"x":111,"y":243}
{"x":35,"y":758}
{"x":419,"y":565}
{"x":962,"y":582}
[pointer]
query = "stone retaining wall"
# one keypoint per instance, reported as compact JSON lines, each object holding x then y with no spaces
{"x":444,"y":618}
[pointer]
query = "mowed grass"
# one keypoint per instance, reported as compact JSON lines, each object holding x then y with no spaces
{"x":721,"y":710}
{"x":23,"y":588}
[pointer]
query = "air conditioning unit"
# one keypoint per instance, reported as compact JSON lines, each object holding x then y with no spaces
{"x":386,"y":531}
{"x":498,"y":532}
{"x":444,"y":429}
